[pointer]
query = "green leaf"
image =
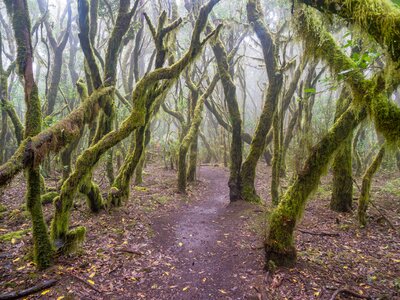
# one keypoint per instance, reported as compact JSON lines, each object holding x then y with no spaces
{"x":310,"y":90}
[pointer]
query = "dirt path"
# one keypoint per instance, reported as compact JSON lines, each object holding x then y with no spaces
{"x":207,"y":246}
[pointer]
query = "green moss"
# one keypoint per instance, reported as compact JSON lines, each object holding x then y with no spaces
{"x":192,"y":134}
{"x":392,"y":187}
{"x":363,"y":201}
{"x":42,"y":248}
{"x":257,"y":146}
{"x":276,"y":158}
{"x":88,"y":159}
{"x":386,"y":115}
{"x":236,"y":148}
{"x":379,"y":18}
{"x":93,"y":194}
{"x":279,"y":243}
{"x":342,"y":182}
{"x":48,"y":197}
{"x":73,"y":239}
{"x":8,"y":237}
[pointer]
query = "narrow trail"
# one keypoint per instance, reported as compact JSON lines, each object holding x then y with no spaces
{"x":207,"y":248}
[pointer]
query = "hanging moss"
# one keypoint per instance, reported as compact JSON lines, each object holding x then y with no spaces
{"x":379,"y":18}
{"x":386,"y":114}
{"x":366,"y":186}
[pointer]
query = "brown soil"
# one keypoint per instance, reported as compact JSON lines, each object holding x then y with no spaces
{"x":164,"y":245}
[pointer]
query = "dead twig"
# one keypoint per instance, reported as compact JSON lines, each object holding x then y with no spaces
{"x":132,"y":251}
{"x":351,"y":293}
{"x":34,"y":289}
{"x":319,"y":233}
{"x":85,"y":282}
{"x":383,"y":215}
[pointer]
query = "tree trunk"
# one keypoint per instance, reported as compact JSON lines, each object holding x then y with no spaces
{"x":233,"y":107}
{"x":279,"y":244}
{"x":342,"y":186}
{"x":19,"y":14}
{"x":366,"y":186}
{"x":275,"y":77}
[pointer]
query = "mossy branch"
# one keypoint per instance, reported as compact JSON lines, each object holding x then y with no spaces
{"x":32,"y":151}
{"x":368,"y":93}
{"x":379,"y":18}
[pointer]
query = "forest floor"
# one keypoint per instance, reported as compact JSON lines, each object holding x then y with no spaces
{"x":165,"y":245}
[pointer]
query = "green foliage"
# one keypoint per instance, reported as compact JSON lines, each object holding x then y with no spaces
{"x":392,"y":187}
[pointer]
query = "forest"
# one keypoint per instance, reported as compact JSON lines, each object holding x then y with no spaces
{"x":200,"y":149}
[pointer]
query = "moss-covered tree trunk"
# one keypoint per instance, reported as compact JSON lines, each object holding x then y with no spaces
{"x":142,"y":162}
{"x":194,"y":97}
{"x":154,"y":97}
{"x":191,"y":135}
{"x":363,"y":201}
{"x":19,"y":15}
{"x":6,"y":107}
{"x":358,"y":139}
{"x":276,"y":158}
{"x":193,"y":151}
{"x":257,"y":147}
{"x":288,"y":138}
{"x":367,"y":94}
{"x":279,"y":243}
{"x":342,"y":169}
{"x":236,"y":148}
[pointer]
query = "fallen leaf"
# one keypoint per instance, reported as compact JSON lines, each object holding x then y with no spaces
{"x":222,"y":291}
{"x":61,"y":297}
{"x":45,"y":292}
{"x":185,"y":288}
{"x":92,"y":275}
{"x":91,"y":281}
